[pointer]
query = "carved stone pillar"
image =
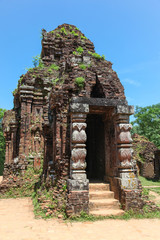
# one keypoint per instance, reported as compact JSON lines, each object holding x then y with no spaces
{"x":130,"y":194}
{"x":124,"y":145}
{"x":125,"y":163}
{"x":13,"y":127}
{"x":78,"y":150}
{"x":78,"y":184}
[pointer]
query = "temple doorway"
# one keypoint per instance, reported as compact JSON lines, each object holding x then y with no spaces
{"x":95,"y":146}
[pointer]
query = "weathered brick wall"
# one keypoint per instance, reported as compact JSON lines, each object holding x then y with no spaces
{"x":77,"y":201}
{"x":131,"y":199}
{"x":51,"y":104}
{"x":144,"y":154}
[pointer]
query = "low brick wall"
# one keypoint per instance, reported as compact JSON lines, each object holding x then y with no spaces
{"x":77,"y":201}
{"x":131,"y":199}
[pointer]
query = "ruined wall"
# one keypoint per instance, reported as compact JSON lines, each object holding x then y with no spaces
{"x":157,"y":164}
{"x":51,"y":104}
{"x":23,"y":126}
{"x":144,"y":154}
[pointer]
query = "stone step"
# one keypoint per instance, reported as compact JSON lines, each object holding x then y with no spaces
{"x":96,"y":204}
{"x":107,"y":212}
{"x":99,"y":187}
{"x":101,"y":194}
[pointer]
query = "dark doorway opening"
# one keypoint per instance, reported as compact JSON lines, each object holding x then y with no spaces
{"x":95,"y":147}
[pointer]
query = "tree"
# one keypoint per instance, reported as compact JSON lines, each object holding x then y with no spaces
{"x":147,"y":123}
{"x":2,"y":142}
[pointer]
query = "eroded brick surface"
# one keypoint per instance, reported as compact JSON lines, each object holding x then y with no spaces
{"x":51,"y":107}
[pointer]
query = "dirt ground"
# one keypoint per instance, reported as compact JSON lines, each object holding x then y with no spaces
{"x":155,"y":197}
{"x":17,"y":222}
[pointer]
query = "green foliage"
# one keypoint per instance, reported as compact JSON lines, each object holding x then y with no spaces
{"x":138,"y":149}
{"x":20,"y":81}
{"x":147,"y":123}
{"x":63,"y":30}
{"x":80,"y":82}
{"x":49,"y":201}
{"x":83,"y":37}
{"x":36,"y":60}
{"x":74,"y":33}
{"x":96,"y":55}
{"x":26,"y":182}
{"x":29,"y":69}
{"x":145,"y":192}
{"x":54,"y":81}
{"x":54,"y":67}
{"x":146,"y":213}
{"x":78,"y":51}
{"x":83,"y":66}
{"x":2,"y":143}
{"x":41,"y":65}
{"x":103,"y":56}
{"x":57,"y":35}
{"x":15,"y":91}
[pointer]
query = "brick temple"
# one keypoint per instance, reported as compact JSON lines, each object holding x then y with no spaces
{"x":72,"y":111}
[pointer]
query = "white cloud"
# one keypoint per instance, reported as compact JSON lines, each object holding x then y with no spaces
{"x":141,"y":65}
{"x":131,"y":82}
{"x":129,"y":99}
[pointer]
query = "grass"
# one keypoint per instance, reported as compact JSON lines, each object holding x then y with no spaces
{"x":126,"y":216}
{"x":25,"y":183}
{"x":156,"y":190}
{"x":37,"y":208}
{"x":147,"y":212}
{"x":146,"y":182}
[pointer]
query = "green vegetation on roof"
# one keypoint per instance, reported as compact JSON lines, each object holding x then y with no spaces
{"x":54,"y":66}
{"x":80,"y":82}
{"x":74,"y":33}
{"x":96,"y":55}
{"x":78,"y":51}
{"x":63,"y":30}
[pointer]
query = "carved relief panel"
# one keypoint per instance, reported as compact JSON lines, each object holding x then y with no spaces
{"x":78,"y":147}
{"x":124,"y":145}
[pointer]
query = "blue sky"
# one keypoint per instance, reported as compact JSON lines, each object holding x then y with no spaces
{"x":125,"y":31}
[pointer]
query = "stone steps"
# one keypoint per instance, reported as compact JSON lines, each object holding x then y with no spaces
{"x":107,"y":212}
{"x":101,"y":194}
{"x":99,"y":187}
{"x":104,"y":204}
{"x":102,"y":201}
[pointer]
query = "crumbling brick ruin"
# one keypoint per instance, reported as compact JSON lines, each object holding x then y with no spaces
{"x":147,"y":156}
{"x":71,"y":109}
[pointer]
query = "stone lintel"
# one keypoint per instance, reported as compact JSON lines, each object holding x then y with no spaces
{"x":99,"y":101}
{"x":79,"y":107}
{"x":125,"y":109}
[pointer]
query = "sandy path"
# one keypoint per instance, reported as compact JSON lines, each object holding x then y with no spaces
{"x":17,"y":222}
{"x":156,"y":197}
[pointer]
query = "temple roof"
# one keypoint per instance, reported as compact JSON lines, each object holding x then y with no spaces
{"x":69,"y":66}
